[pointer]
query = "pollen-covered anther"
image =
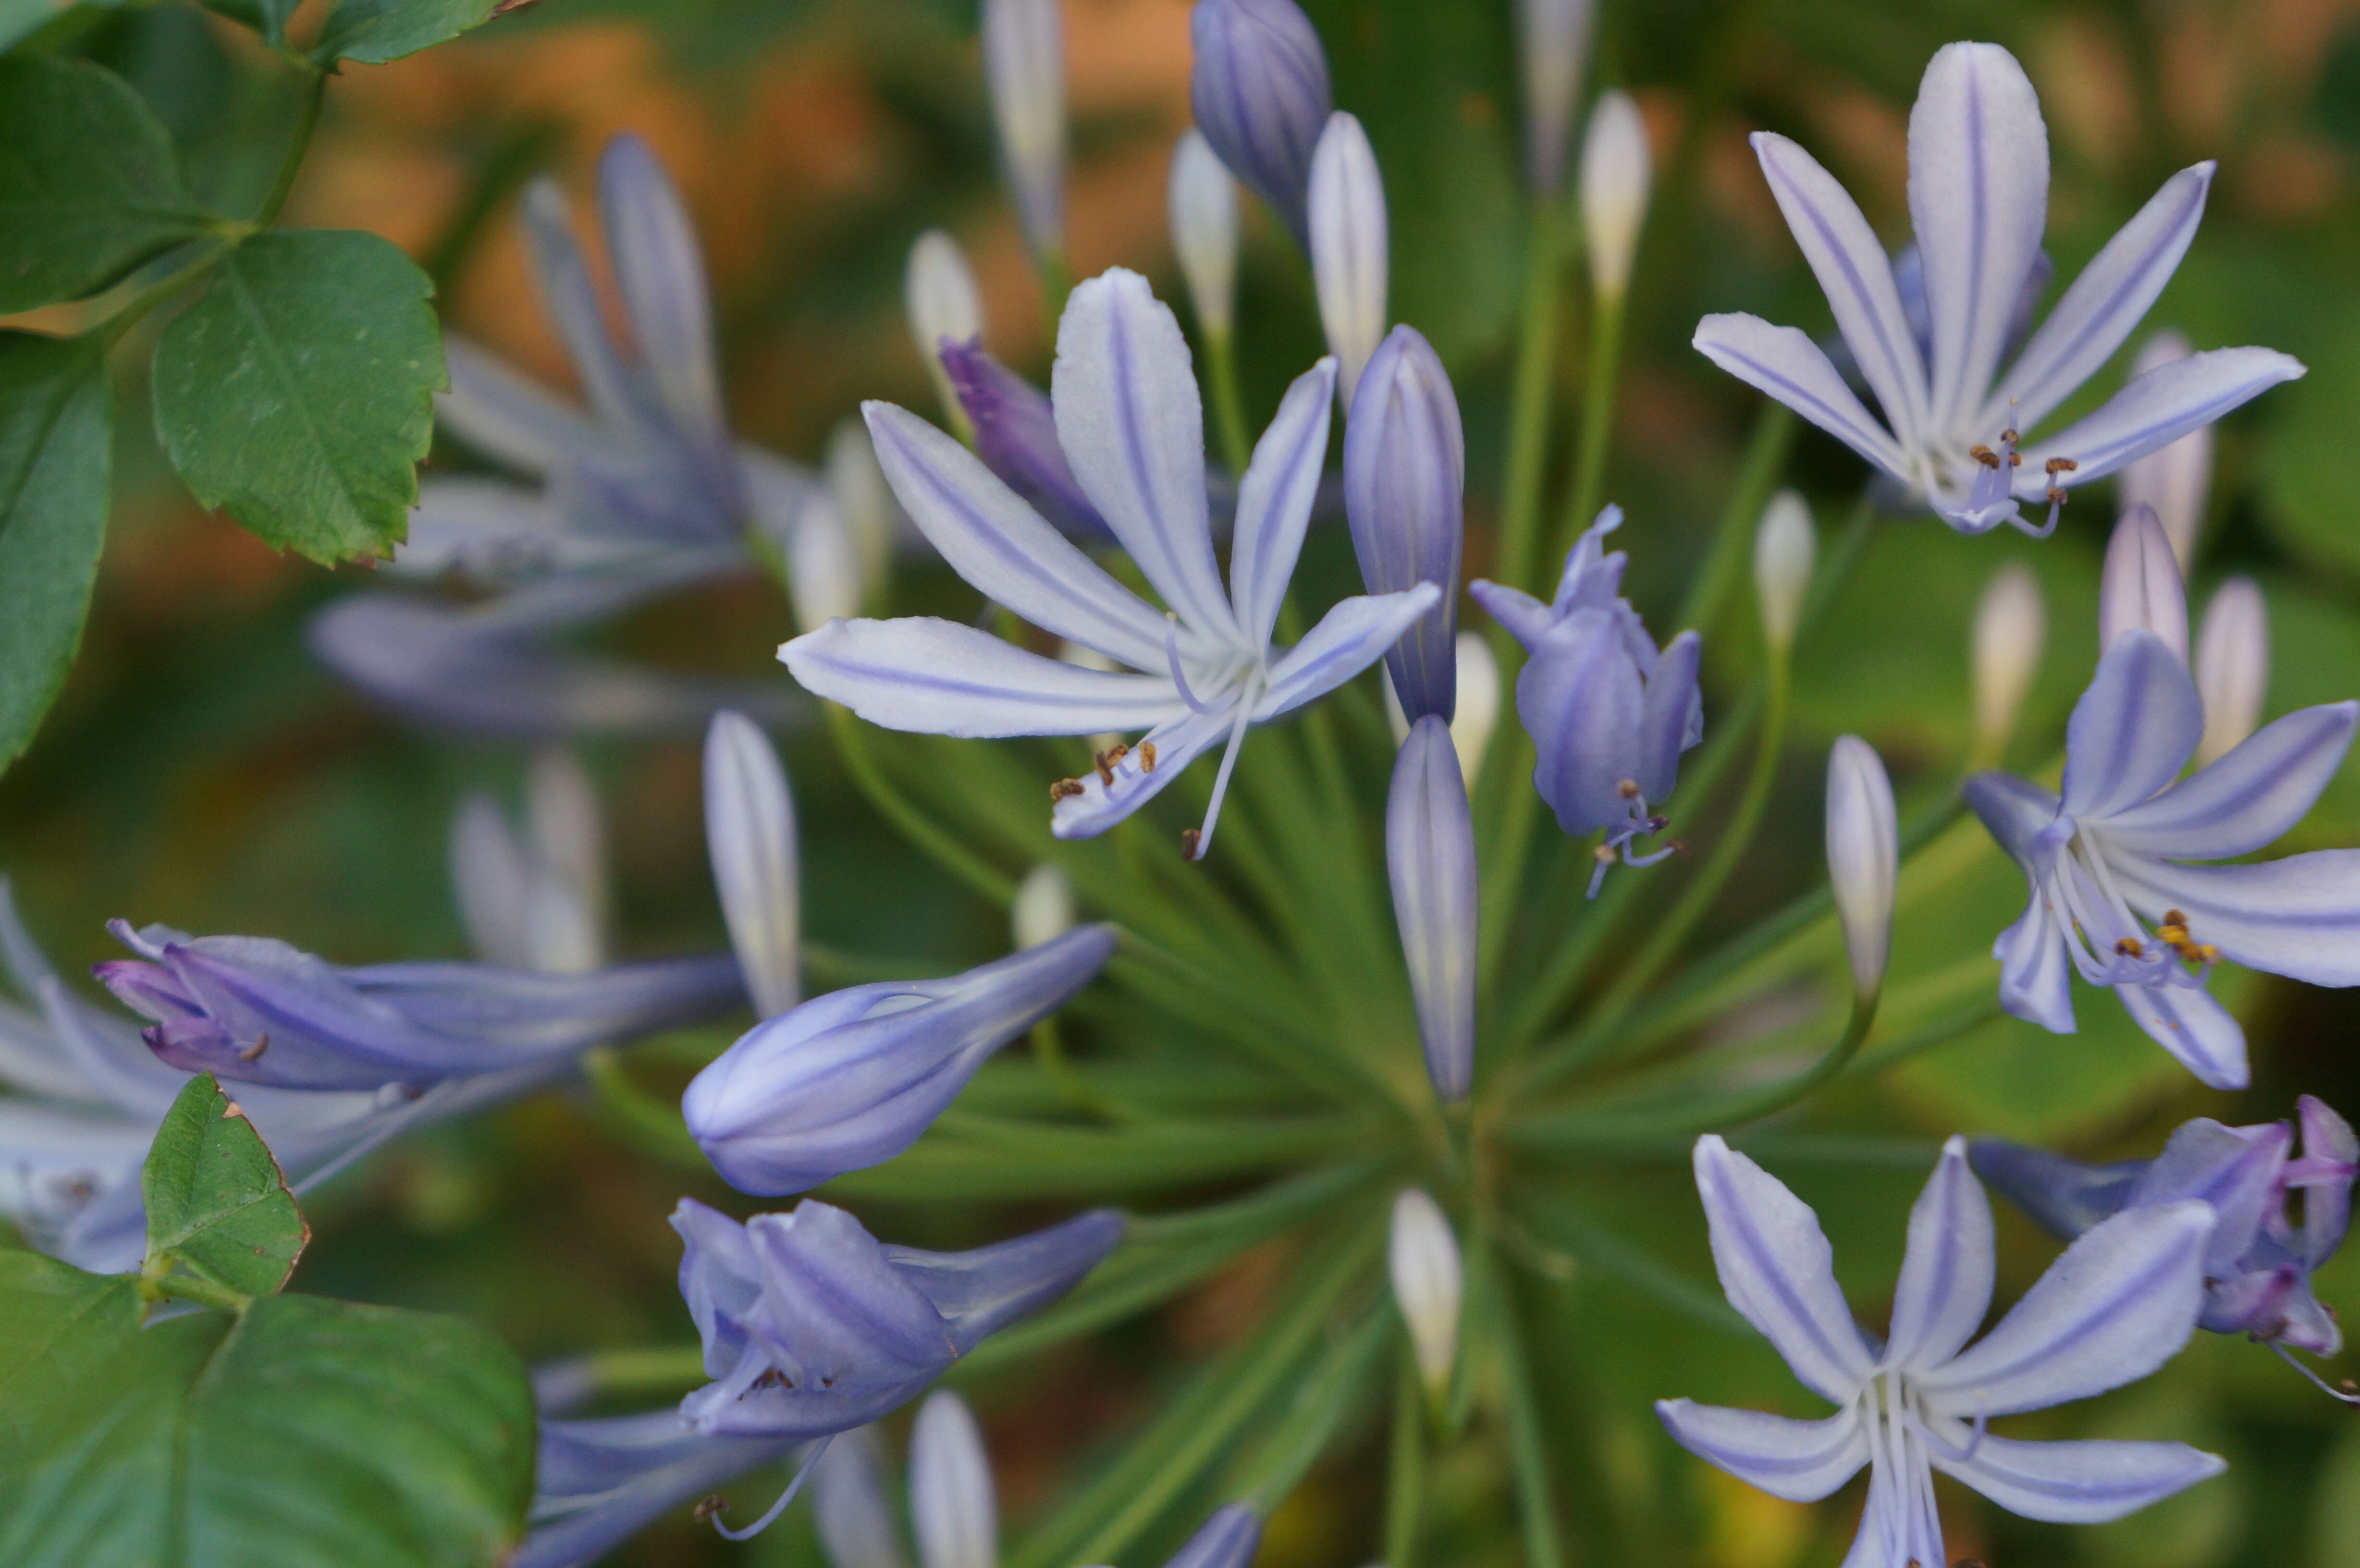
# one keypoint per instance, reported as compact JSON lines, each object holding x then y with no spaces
{"x":253,"y":1052}
{"x":1628,"y":789}
{"x":2061,"y":465}
{"x":1603,"y":854}
{"x":707,"y":1507}
{"x":2130,"y":947}
{"x":1983,"y":456}
{"x":1189,"y":839}
{"x":1064,"y":789}
{"x":2173,"y":934}
{"x":1147,"y":756}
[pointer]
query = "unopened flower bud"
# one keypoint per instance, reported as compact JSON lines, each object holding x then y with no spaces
{"x":1553,"y":44}
{"x":569,"y":842}
{"x":1042,"y":909}
{"x":952,"y":1504}
{"x":862,"y":499}
{"x":2011,"y":625}
{"x":1616,"y":170}
{"x":2233,"y":666}
{"x":1204,"y":216}
{"x":1347,"y":248}
{"x":1024,"y":65}
{"x":1259,"y":91}
{"x":1427,"y":1285}
{"x":1863,"y":857}
{"x":1430,"y":860}
{"x":2176,"y":479}
{"x":1478,"y":702}
{"x":824,"y":566}
{"x":1786,"y":547}
{"x":1405,"y":484}
{"x":2140,"y":589}
{"x":749,"y":827}
{"x":939,"y":295}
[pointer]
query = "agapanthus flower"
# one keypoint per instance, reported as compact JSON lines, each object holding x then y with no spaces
{"x":1978,"y":200}
{"x":2120,"y":1303}
{"x":1131,"y":427}
{"x":811,"y":1327}
{"x":1608,"y":711}
{"x":2259,"y":1264}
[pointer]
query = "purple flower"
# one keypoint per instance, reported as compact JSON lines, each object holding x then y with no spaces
{"x":1430,"y":858}
{"x":1259,"y":88}
{"x":1016,"y":436}
{"x":2258,"y":1266}
{"x":257,"y":1010}
{"x":2120,"y":1303}
{"x":1978,"y":200}
{"x":1609,"y":712}
{"x":1405,"y":484}
{"x":850,"y":1080}
{"x":1131,"y":427}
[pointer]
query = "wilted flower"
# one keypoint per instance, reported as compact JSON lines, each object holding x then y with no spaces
{"x":1430,"y":860}
{"x":1978,"y":200}
{"x":1259,"y":90}
{"x":2120,"y":1303}
{"x":1348,"y":259}
{"x":1609,"y":712}
{"x":1404,"y":483}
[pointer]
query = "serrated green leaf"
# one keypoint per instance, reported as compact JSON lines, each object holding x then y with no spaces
{"x":89,"y":184}
{"x":216,"y":1201}
{"x":372,"y":31}
{"x":301,"y":1432}
{"x":296,"y":394}
{"x":56,"y":426}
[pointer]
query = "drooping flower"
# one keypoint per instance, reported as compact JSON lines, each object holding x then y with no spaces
{"x":1259,"y":90}
{"x":2259,"y":1264}
{"x":811,"y":1327}
{"x":1977,"y":201}
{"x":1609,"y":711}
{"x":850,"y":1079}
{"x":1131,"y":430}
{"x":1430,"y":861}
{"x":2120,"y":1303}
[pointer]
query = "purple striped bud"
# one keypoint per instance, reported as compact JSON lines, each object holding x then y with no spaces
{"x":1430,"y":860}
{"x":1405,"y":484}
{"x":1016,"y":436}
{"x":1260,"y":92}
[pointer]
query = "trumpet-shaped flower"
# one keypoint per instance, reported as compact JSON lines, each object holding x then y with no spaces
{"x":1608,"y":711}
{"x":2112,"y":895}
{"x":2120,"y":1303}
{"x":1952,"y":420}
{"x":2258,"y":1265}
{"x":850,"y":1080}
{"x":1131,"y":428}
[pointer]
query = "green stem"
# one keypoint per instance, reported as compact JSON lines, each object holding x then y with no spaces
{"x":133,"y":311}
{"x":1056,"y":281}
{"x":1049,"y":1050}
{"x":1597,"y":420}
{"x":290,"y":163}
{"x":1405,"y":1473}
{"x":1229,"y":407}
{"x":1757,"y":475}
{"x":1528,"y":418}
{"x":944,"y":850}
{"x":1527,"y":1444}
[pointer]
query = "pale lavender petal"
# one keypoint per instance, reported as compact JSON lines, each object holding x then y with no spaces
{"x":1777,"y":1270}
{"x":1801,"y":1461}
{"x":2036,"y":972}
{"x":2196,"y":1030}
{"x":2140,"y":586}
{"x":646,"y":1467}
{"x":1347,"y":639}
{"x":2066,"y":1196}
{"x":1946,"y":1275}
{"x":2327,"y":1140}
{"x":2246,"y":800}
{"x":2235,"y":1169}
{"x":1430,"y":860}
{"x":573,"y":308}
{"x":1582,"y":699}
{"x":2103,"y":305}
{"x":1275,"y":500}
{"x":848,"y":1505}
{"x":749,"y":829}
{"x":660,"y":273}
{"x":938,"y":676}
{"x":2299,"y":916}
{"x":981,"y":1293}
{"x":1004,"y":548}
{"x":1785,"y":362}
{"x":1228,"y":1539}
{"x":491,"y":531}
{"x":1978,"y":199}
{"x":1527,"y":618}
{"x":952,"y":1505}
{"x":2119,"y":1304}
{"x":1172,"y":745}
{"x":1854,"y":273}
{"x":1672,"y":718}
{"x":2015,"y":811}
{"x":1405,"y":478}
{"x":2132,"y":730}
{"x":1133,"y":429}
{"x":504,"y":416}
{"x":2078,"y":1483}
{"x":2152,"y":412}
{"x":1016,"y":436}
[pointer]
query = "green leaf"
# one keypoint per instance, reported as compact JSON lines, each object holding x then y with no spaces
{"x":372,"y":31}
{"x":215,"y":1199}
{"x":89,"y":184}
{"x":268,"y":17}
{"x":297,"y":392}
{"x":301,"y":1432}
{"x":56,"y":429}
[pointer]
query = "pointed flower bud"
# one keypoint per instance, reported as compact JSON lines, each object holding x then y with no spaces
{"x":1347,"y":248}
{"x":939,"y":295}
{"x":850,"y":1080}
{"x":951,"y":1498}
{"x":1430,"y":860}
{"x":2233,"y":666}
{"x":1259,"y":91}
{"x":1405,"y":484}
{"x":1616,"y":171}
{"x":1553,"y":43}
{"x":862,"y":499}
{"x":823,"y":569}
{"x":2011,"y":626}
{"x":2140,"y":587}
{"x":856,"y":1528}
{"x":1863,"y":857}
{"x":1478,"y":702}
{"x":537,"y":901}
{"x":749,"y":827}
{"x":1204,"y":214}
{"x":2176,"y":480}
{"x":1786,"y":547}
{"x":1423,"y":1262}
{"x":1024,"y":65}
{"x":1044,"y":907}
